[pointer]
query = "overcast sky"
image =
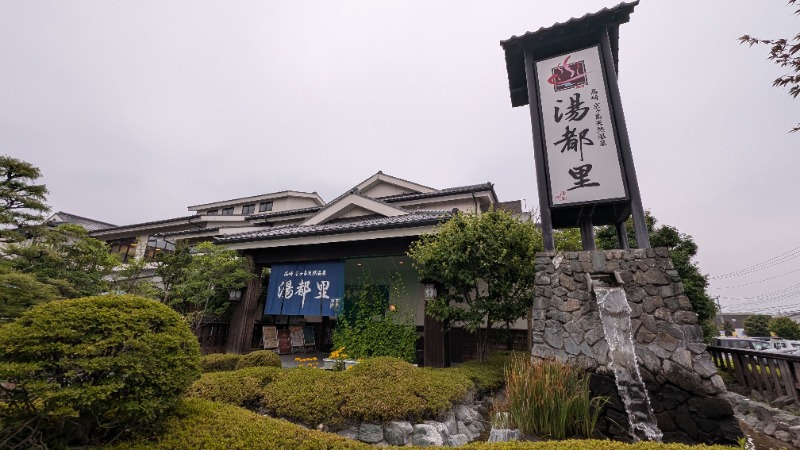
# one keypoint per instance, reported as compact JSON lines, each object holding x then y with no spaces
{"x":135,"y":110}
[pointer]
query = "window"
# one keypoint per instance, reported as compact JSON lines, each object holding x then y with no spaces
{"x":265,"y":206}
{"x":126,"y":248}
{"x":227,"y":211}
{"x":213,"y":212}
{"x":157,"y":245}
{"x":248,"y":209}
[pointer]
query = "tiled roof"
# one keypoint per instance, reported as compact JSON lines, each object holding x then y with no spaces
{"x":200,"y":206}
{"x":155,"y":222}
{"x":85,"y":222}
{"x":288,"y":212}
{"x":416,"y":218}
{"x":187,"y":232}
{"x":439,"y":193}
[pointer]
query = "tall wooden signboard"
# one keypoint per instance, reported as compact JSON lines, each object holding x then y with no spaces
{"x":567,"y":74}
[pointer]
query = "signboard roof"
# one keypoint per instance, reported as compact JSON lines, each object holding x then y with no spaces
{"x":558,"y":38}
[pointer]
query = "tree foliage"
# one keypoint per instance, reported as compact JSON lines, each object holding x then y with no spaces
{"x":682,"y":250}
{"x":757,"y":325}
{"x":785,"y":328}
{"x":20,"y":291}
{"x":65,"y":257}
{"x":22,"y":201}
{"x":483,"y":263}
{"x":134,"y":278}
{"x":783,"y":52}
{"x":198,"y":286}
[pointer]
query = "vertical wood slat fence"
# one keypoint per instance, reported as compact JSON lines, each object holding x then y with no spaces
{"x":213,"y":337}
{"x":771,"y":374}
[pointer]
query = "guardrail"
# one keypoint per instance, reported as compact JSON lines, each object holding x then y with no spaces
{"x":771,"y":374}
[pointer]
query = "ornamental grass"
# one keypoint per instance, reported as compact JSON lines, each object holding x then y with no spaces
{"x":549,"y":398}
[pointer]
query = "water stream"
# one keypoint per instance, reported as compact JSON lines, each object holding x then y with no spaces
{"x":615,"y":315}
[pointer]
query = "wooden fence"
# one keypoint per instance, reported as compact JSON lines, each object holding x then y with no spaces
{"x":213,"y":337}
{"x":771,"y":374}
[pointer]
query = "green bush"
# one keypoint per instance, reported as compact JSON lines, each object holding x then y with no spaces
{"x":78,"y":371}
{"x":382,"y":389}
{"x":259,"y":358}
{"x":219,"y":362}
{"x":549,"y":398}
{"x":306,"y":395}
{"x":488,"y":376}
{"x":215,"y":426}
{"x":242,"y":387}
{"x":369,"y":327}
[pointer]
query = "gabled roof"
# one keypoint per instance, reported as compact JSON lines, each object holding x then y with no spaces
{"x":62,"y":217}
{"x":349,"y":201}
{"x":413,"y":219}
{"x":382,"y":178}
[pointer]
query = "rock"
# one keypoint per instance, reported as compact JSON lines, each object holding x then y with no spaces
{"x":370,"y":433}
{"x":463,"y":429}
{"x":462,"y":413}
{"x":349,"y":433}
{"x":451,"y":424}
{"x":398,"y":433}
{"x":504,"y":435}
{"x":652,"y":276}
{"x":457,"y":440}
{"x":685,"y":317}
{"x":784,"y":436}
{"x":703,"y":366}
{"x":426,"y":436}
{"x":440,"y":428}
{"x":771,"y":428}
{"x":553,"y":337}
{"x":666,"y":341}
{"x":783,"y":401}
{"x":571,"y":347}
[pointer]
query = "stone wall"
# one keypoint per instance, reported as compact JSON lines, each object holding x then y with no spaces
{"x":685,"y":390}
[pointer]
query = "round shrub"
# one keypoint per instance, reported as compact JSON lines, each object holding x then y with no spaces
{"x":218,"y":362}
{"x":243,"y":387}
{"x":259,"y":358}
{"x":77,"y":371}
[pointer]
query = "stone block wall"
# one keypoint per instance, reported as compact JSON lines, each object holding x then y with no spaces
{"x":685,"y":390}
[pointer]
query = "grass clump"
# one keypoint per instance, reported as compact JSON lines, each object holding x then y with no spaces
{"x":243,"y":387}
{"x":219,"y":362}
{"x":259,"y":358}
{"x":215,"y":426}
{"x":549,"y":398}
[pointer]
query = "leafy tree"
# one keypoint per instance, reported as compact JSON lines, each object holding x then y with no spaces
{"x":66,"y":257}
{"x":483,"y":264}
{"x":682,"y":250}
{"x":201,"y":287}
{"x":21,"y":200}
{"x":133,"y":278}
{"x":785,"y":328}
{"x":757,"y":325}
{"x":172,"y":267}
{"x":784,"y":53}
{"x":20,"y":291}
{"x":728,"y":328}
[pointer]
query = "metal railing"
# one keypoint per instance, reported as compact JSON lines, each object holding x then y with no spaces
{"x":771,"y":374}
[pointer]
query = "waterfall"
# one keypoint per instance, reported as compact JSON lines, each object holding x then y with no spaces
{"x":615,"y":315}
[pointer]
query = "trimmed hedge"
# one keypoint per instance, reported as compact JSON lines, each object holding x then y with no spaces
{"x":259,"y":358}
{"x":383,"y":389}
{"x":587,"y":444}
{"x":306,"y":395}
{"x":243,"y":387}
{"x":215,"y":426}
{"x":78,"y":371}
{"x":219,"y":362}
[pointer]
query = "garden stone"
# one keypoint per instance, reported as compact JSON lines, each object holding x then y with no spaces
{"x":397,"y":432}
{"x":370,"y":433}
{"x":463,"y":413}
{"x":504,"y":435}
{"x":349,"y":433}
{"x":457,"y":440}
{"x":783,"y":436}
{"x":426,"y":436}
{"x":451,"y":424}
{"x":464,"y":429}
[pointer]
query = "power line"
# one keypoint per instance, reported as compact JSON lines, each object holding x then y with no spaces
{"x":771,"y":262}
{"x":757,"y":282}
